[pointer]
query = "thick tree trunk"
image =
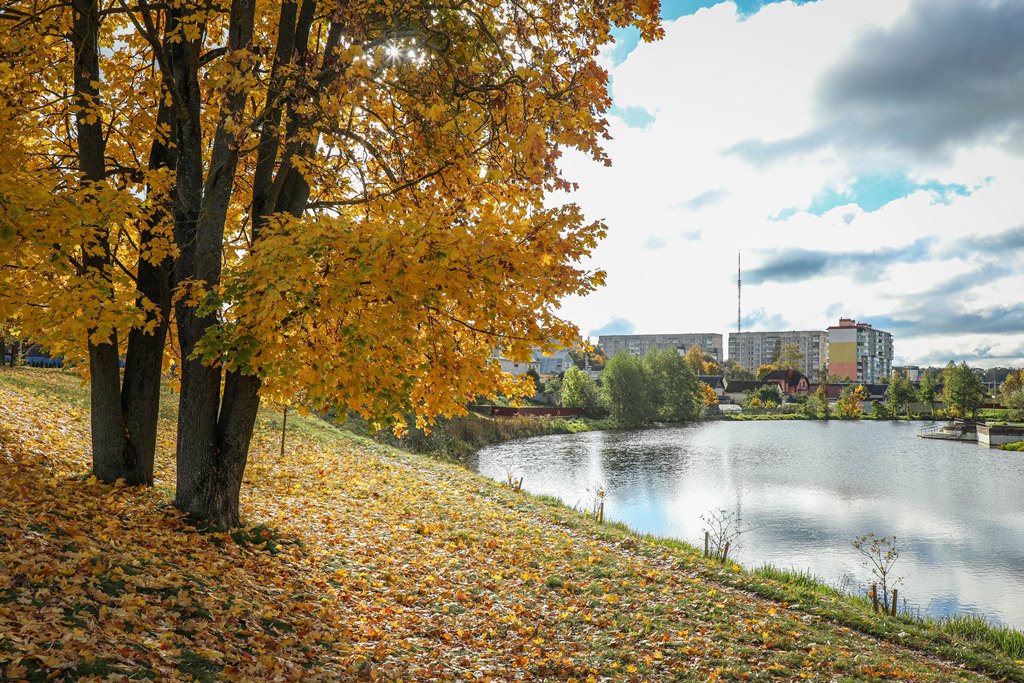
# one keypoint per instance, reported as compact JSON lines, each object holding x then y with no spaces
{"x":140,"y":391}
{"x":123,"y":418}
{"x":213,"y":441}
{"x":214,"y":495}
{"x":200,"y":384}
{"x":107,"y":419}
{"x":214,"y":433}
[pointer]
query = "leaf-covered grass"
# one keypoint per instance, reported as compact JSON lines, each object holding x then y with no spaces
{"x":361,"y":562}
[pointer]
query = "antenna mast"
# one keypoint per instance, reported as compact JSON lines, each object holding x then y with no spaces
{"x":739,"y":294}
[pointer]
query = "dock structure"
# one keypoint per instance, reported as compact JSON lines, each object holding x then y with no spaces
{"x":982,"y":433}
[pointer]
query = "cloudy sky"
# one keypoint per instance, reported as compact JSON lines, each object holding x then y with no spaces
{"x":867,"y":157}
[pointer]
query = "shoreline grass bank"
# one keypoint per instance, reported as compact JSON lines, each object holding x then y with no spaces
{"x":363,"y":562}
{"x":457,"y":437}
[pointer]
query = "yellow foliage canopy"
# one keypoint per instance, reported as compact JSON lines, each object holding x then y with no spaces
{"x":423,"y":139}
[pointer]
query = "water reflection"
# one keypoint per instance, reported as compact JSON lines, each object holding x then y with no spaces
{"x":806,"y":490}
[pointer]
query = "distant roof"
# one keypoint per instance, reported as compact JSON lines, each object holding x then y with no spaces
{"x":742,"y":384}
{"x":790,"y":376}
{"x":876,"y":390}
{"x":713,"y":381}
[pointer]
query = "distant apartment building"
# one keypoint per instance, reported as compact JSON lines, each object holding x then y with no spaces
{"x":754,"y":349}
{"x":859,"y":351}
{"x":639,"y":344}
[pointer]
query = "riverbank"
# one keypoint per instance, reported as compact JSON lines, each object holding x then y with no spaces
{"x":746,"y":417}
{"x":455,"y":438}
{"x":363,"y":562}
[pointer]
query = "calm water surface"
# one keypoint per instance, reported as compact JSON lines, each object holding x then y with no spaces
{"x":806,"y":490}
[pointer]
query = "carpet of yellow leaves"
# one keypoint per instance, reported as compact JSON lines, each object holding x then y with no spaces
{"x":362,"y":563}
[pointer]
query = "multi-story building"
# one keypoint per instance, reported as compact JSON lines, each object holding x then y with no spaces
{"x":859,"y":351}
{"x":754,"y":349}
{"x":639,"y":344}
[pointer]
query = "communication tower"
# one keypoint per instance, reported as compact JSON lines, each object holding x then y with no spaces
{"x":739,"y":294}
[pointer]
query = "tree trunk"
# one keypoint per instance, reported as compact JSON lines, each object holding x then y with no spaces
{"x":107,"y":419}
{"x":214,"y":434}
{"x":140,"y":391}
{"x":213,"y":441}
{"x":123,"y":418}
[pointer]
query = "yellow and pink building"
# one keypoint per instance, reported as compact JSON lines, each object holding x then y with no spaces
{"x":859,"y":351}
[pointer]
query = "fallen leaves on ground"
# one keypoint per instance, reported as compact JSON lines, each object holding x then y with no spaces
{"x":361,"y":563}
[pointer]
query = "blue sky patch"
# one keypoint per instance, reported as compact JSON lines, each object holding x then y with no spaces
{"x":634,"y":117}
{"x":785,"y":214}
{"x":616,"y":325}
{"x":872,"y":192}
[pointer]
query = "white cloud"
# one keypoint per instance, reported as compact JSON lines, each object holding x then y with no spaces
{"x":718,"y":80}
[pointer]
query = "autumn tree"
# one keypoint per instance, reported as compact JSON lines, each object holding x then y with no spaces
{"x":849,"y":404}
{"x":698,"y":360}
{"x":708,"y":394}
{"x":85,"y":236}
{"x":1013,"y":383}
{"x":765,"y":370}
{"x":345,"y":200}
{"x":586,"y":355}
{"x":9,"y":341}
{"x":1012,"y":393}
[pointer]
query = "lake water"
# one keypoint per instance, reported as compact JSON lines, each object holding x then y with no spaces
{"x":806,"y":489}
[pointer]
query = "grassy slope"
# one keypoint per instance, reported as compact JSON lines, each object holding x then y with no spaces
{"x":368,"y":563}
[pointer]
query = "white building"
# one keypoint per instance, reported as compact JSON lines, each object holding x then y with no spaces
{"x":640,"y":344}
{"x":754,"y":349}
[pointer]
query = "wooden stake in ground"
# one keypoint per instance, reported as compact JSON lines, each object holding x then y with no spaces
{"x":284,"y":428}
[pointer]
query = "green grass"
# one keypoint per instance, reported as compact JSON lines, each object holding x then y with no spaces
{"x":794,"y":577}
{"x":978,"y":630}
{"x":1015,"y":446}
